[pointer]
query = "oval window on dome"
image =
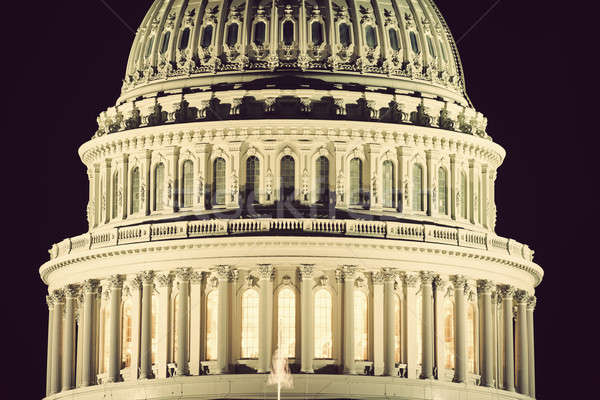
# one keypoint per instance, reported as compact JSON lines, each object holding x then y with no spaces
{"x":371,"y":37}
{"x":345,"y":38}
{"x":259,"y":33}
{"x":185,"y":39}
{"x":414,"y":42}
{"x":316,"y":31}
{"x":232,"y":34}
{"x":165,"y":43}
{"x":443,"y":51}
{"x":288,"y":33}
{"x":394,"y":42}
{"x":206,"y":36}
{"x":149,"y":47}
{"x":430,"y":45}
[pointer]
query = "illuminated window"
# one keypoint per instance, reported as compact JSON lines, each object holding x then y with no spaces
{"x":159,"y":183}
{"x":371,"y":36}
{"x":232,"y":34}
{"x":355,"y":181}
{"x":316,"y":31}
{"x":185,"y":39}
{"x":114,"y":195}
{"x":414,"y":42}
{"x":394,"y":42}
{"x":127,"y":334}
{"x":105,"y":339}
{"x":187,"y":184}
{"x":286,"y":322}
{"x":418,"y":319}
{"x":360,"y":326}
{"x":165,"y":42}
{"x":135,"y":191}
{"x":212,"y":338}
{"x":471,"y":338}
{"x":397,"y":320}
{"x":323,"y":180}
{"x":252,"y":179}
{"x":250,"y":324}
{"x":323,"y":334}
{"x":288,"y":33}
{"x":154,"y":322}
{"x":448,"y":334}
{"x":259,"y":33}
{"x":219,"y":181}
{"x":388,"y":184}
{"x":207,"y":34}
{"x":463,"y":195}
{"x":287,"y":178}
{"x":442,"y":191}
{"x":418,"y":204}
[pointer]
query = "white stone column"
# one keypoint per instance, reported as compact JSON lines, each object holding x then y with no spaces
{"x":50,"y":303}
{"x":439,"y":292}
{"x":57,"y":333}
{"x":195,"y":322}
{"x":507,"y":292}
{"x":164,"y":283}
{"x":379,"y":323}
{"x":224,"y":273}
{"x":349,"y":276}
{"x":530,"y":307}
{"x":68,"y":345}
{"x":522,"y":364}
{"x":114,"y":350}
{"x":460,"y":329}
{"x":146,"y":326}
{"x":410,"y":324}
{"x":427,"y":325}
{"x":306,"y":318}
{"x":90,"y":291}
{"x":484,"y":289}
{"x":79,"y":351}
{"x":389,"y":318}
{"x":265,"y":323}
{"x":183,"y":277}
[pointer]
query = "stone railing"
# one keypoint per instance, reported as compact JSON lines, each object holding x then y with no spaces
{"x":319,"y":227}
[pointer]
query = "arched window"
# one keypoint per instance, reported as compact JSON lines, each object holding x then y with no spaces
{"x":397,"y":336}
{"x":471,"y":338}
{"x":115,"y":195}
{"x":394,"y":42}
{"x":288,"y":176}
{"x":288,"y":33}
{"x":149,"y":47}
{"x":127,"y":335}
{"x":463,"y":195}
{"x":259,"y":33}
{"x":159,"y":187}
{"x":232,"y":34}
{"x":418,"y":188}
{"x":371,"y":36}
{"x":361,"y":326}
{"x":448,"y":334}
{"x":219,"y":181}
{"x":187,"y":184}
{"x":135,"y":191}
{"x":286,"y":322}
{"x":430,"y":45}
{"x":252,"y":179}
{"x":212,"y":338}
{"x":185,"y":39}
{"x":207,"y":34}
{"x":389,"y":188}
{"x":316,"y":32}
{"x":250,"y":324}
{"x":414,"y":43}
{"x":442,"y":191}
{"x":419,"y":328}
{"x":345,"y":37}
{"x":165,"y":42}
{"x":154,"y":322}
{"x":323,"y":335}
{"x":323,"y":180}
{"x":355,"y":181}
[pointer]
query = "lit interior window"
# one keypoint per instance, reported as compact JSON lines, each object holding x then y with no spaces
{"x":360,"y":326}
{"x":159,"y":183}
{"x":286,"y":322}
{"x":212,"y":304}
{"x":259,"y":33}
{"x":252,"y":179}
{"x":449,"y":334}
{"x":397,"y":336}
{"x":418,"y":188}
{"x":250,"y":324}
{"x":188,"y":183}
{"x":154,"y":328}
{"x":323,"y":180}
{"x":323,"y":337}
{"x":207,"y":34}
{"x":232,"y":34}
{"x":127,"y":335}
{"x":471,"y":338}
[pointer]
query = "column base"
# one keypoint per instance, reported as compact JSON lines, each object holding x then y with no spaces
{"x":114,"y":379}
{"x":308,"y":371}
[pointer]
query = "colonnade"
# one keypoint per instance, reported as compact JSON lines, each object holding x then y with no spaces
{"x":73,"y":334}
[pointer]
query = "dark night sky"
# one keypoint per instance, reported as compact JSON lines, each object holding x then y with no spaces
{"x":76,"y":72}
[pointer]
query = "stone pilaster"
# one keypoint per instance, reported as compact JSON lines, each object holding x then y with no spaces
{"x":135,"y":292}
{"x":404,"y":156}
{"x":265,"y":312}
{"x":439,"y":291}
{"x":427,"y":325}
{"x":184,"y":276}
{"x":57,"y":333}
{"x":506,"y":293}
{"x":484,"y":289}
{"x":90,"y":291}
{"x":379,"y":322}
{"x":349,"y":276}
{"x":530,"y":308}
{"x":432,"y":159}
{"x":306,"y":318}
{"x":522,"y":364}
{"x":173,"y":178}
{"x":146,"y":326}
{"x":68,"y":345}
{"x":460,"y":329}
{"x":114,"y":351}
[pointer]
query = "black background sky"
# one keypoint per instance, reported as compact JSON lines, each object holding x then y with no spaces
{"x":514,"y":63}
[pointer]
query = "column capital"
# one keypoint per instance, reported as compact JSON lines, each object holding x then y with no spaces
{"x":58,"y":296}
{"x":223,"y":272}
{"x":116,"y":282}
{"x":521,"y":297}
{"x":147,"y":277}
{"x":506,"y":292}
{"x":378,"y":277}
{"x":49,"y":301}
{"x":91,"y":286}
{"x":439,"y":283}
{"x":410,"y":279}
{"x":485,"y":286}
{"x":183,"y":274}
{"x":197,"y":277}
{"x":265,"y":272}
{"x":531,"y":303}
{"x":349,"y":272}
{"x":71,"y":291}
{"x":459,"y":281}
{"x":164,"y":279}
{"x":306,"y":271}
{"x":135,"y":283}
{"x":426,"y":277}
